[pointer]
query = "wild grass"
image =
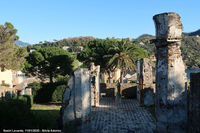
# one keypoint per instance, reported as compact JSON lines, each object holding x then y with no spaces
{"x":46,"y":115}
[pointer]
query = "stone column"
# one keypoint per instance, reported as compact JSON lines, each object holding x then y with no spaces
{"x":194,"y":103}
{"x":139,"y":71}
{"x":171,"y":93}
{"x":145,"y":87}
{"x":95,"y":84}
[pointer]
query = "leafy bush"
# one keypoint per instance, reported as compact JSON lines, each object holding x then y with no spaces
{"x":45,"y":93}
{"x":35,"y":86}
{"x":57,"y":94}
{"x":15,"y":114}
{"x":61,"y":78}
{"x":26,"y":99}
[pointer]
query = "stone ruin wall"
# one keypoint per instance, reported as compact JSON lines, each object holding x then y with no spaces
{"x":145,"y":85}
{"x":81,"y":93}
{"x":76,"y":104}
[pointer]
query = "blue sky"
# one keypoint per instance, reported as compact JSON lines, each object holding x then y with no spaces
{"x":39,"y":20}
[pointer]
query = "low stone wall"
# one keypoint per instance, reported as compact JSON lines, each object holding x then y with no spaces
{"x":128,"y":90}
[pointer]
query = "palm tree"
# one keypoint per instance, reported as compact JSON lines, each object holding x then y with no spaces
{"x":125,"y":56}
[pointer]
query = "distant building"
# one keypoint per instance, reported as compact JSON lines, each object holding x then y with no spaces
{"x":114,"y":76}
{"x":31,"y":50}
{"x":18,"y":77}
{"x":6,"y":77}
{"x":81,"y":48}
{"x":14,"y":82}
{"x":67,"y":48}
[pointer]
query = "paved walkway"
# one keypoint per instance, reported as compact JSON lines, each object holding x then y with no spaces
{"x":125,"y":117}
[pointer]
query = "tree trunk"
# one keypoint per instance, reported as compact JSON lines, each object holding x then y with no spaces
{"x":51,"y":77}
{"x":109,"y":77}
{"x":121,"y":76}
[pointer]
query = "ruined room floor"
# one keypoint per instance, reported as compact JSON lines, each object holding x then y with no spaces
{"x":124,"y":117}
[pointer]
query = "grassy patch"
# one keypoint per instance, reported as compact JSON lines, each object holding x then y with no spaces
{"x":46,"y":119}
{"x":47,"y":106}
{"x":46,"y":115}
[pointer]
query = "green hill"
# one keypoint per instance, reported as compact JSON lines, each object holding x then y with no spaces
{"x":195,"y":33}
{"x":190,"y":48}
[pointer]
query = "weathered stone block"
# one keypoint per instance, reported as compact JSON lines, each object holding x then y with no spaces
{"x":76,"y":104}
{"x":168,"y":26}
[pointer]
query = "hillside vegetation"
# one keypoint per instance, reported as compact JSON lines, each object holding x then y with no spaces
{"x":74,"y":43}
{"x":190,"y":48}
{"x":190,"y":45}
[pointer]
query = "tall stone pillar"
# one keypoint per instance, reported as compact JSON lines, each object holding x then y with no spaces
{"x":171,"y":93}
{"x":95,"y":84}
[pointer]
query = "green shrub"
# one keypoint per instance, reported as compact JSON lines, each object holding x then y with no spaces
{"x":45,"y":93}
{"x":62,"y":78}
{"x":22,"y":98}
{"x":26,"y":99}
{"x":35,"y":86}
{"x":15,"y":114}
{"x":57,"y":94}
{"x":29,"y":100}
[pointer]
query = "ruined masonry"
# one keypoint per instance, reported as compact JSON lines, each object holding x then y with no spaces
{"x":76,"y":104}
{"x":95,"y":84}
{"x":145,"y":86}
{"x":194,"y":103}
{"x":171,"y":93}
